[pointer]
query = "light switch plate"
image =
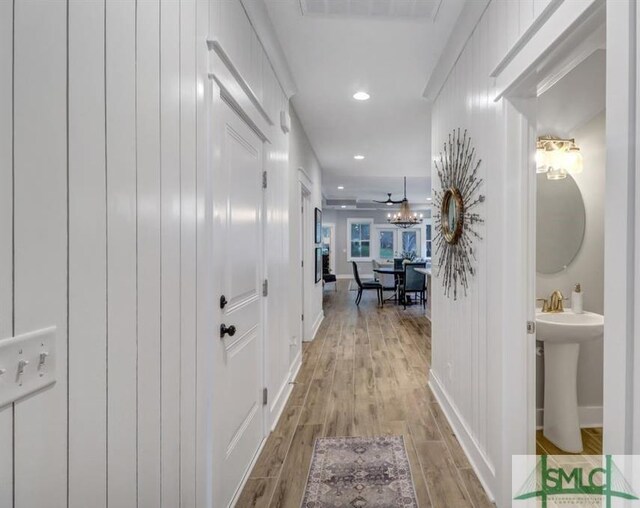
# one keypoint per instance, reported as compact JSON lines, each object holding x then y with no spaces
{"x":27,"y":364}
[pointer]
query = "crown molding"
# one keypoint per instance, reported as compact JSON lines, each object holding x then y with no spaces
{"x":257,"y":13}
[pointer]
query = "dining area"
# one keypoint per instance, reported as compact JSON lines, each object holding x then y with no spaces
{"x":400,"y":281}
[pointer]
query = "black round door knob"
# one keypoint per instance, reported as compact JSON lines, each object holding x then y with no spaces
{"x":224,"y":330}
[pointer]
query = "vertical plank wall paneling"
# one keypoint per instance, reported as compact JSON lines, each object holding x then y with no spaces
{"x":40,"y":207}
{"x":6,"y":236}
{"x":87,"y":257}
{"x":467,"y":335}
{"x":149,"y":274}
{"x":170,"y":243}
{"x":203,"y":492}
{"x":122,"y":357}
{"x":187,"y":253}
{"x":110,"y":138}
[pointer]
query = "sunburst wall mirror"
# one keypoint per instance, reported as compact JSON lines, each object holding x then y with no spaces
{"x":455,"y":217}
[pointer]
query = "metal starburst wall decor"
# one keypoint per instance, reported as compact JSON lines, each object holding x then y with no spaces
{"x":455,"y":219}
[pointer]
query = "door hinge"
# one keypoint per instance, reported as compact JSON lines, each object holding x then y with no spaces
{"x":302,"y":316}
{"x":264,"y":179}
{"x":265,"y":396}
{"x":302,"y":264}
{"x":531,"y":327}
{"x":265,"y":287}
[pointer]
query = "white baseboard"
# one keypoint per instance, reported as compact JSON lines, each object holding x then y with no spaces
{"x":479,"y":462}
{"x":280,"y":401}
{"x":316,"y":325}
{"x":589,"y":416}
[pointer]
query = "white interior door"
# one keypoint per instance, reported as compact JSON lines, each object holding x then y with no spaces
{"x":237,"y":251}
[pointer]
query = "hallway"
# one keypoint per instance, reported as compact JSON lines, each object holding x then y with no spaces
{"x":365,"y":374}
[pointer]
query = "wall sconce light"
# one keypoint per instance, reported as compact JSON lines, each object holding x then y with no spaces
{"x":557,"y":157}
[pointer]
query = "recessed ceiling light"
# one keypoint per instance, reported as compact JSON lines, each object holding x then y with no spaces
{"x":343,"y":206}
{"x":428,"y":199}
{"x":340,"y":187}
{"x":361,"y":96}
{"x":358,"y":157}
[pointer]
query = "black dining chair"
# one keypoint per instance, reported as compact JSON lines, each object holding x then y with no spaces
{"x":397,"y":263}
{"x":414,"y":282}
{"x":327,"y":276}
{"x":362,"y":286}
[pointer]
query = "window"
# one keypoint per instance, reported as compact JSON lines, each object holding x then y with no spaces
{"x":359,"y":239}
{"x":428,"y":245}
{"x":410,"y":242}
{"x":386,"y":243}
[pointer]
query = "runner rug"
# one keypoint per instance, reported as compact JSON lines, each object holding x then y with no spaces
{"x":358,"y":472}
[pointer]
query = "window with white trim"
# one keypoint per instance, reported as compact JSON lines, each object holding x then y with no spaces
{"x":385,"y":243}
{"x":359,"y":239}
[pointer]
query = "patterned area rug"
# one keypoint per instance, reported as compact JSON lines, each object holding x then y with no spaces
{"x":359,"y":472}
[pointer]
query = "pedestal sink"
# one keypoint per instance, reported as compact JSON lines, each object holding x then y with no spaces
{"x":562,"y":333}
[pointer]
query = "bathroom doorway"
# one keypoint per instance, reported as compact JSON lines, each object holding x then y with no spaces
{"x":569,"y":262}
{"x":574,"y":40}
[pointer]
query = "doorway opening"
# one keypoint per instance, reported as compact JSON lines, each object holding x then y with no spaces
{"x":570,"y":188}
{"x":558,"y":132}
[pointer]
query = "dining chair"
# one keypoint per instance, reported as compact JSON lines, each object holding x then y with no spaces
{"x":327,"y":276}
{"x":363,"y":286}
{"x":397,"y":263}
{"x":414,"y":282}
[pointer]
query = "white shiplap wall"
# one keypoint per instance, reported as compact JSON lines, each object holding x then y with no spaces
{"x":103,"y":133}
{"x":6,"y":235}
{"x":468,"y":333}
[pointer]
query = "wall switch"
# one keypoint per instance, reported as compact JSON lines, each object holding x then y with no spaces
{"x":27,"y":364}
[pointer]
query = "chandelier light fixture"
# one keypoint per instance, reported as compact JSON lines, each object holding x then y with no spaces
{"x":558,"y":157}
{"x":405,"y":218}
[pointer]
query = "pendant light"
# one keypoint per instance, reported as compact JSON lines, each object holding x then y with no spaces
{"x":405,"y":218}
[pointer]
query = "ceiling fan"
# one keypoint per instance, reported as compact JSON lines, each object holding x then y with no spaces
{"x":389,"y":201}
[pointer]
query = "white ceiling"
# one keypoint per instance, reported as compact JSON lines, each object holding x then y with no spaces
{"x":574,"y":100}
{"x":364,"y":190}
{"x":387,"y":48}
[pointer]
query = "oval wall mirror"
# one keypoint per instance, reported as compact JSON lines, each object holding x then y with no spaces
{"x":451,"y":215}
{"x":560,"y":223}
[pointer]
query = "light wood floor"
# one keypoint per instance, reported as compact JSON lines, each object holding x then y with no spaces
{"x":591,"y":440}
{"x":365,"y":374}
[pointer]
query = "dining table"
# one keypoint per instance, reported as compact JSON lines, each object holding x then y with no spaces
{"x":397,"y":272}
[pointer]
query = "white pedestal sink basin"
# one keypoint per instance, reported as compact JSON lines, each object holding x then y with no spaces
{"x":562,"y":334}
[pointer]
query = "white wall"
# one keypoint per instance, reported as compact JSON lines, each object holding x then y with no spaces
{"x":103,"y":153}
{"x":303,"y":158}
{"x":587,"y":268}
{"x":101,"y":198}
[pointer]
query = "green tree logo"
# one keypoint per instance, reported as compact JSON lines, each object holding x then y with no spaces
{"x":545,"y":481}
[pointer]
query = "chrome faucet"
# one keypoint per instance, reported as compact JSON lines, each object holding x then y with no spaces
{"x":554,"y":303}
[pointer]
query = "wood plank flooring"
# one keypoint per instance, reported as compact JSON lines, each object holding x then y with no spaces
{"x":365,"y":374}
{"x":591,"y":439}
